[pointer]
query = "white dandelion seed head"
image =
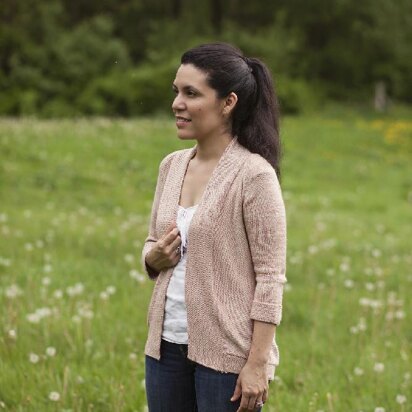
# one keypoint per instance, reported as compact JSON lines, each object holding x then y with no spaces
{"x":54,"y":396}
{"x":129,"y":258}
{"x":46,"y":281}
{"x":348,"y":283}
{"x":28,"y":247}
{"x":379,"y":367}
{"x":400,"y":314}
{"x":12,"y":334}
{"x":13,"y":291}
{"x":58,"y":294}
{"x":111,"y":290}
{"x":358,"y":371}
{"x":104,"y":295}
{"x":400,"y":399}
{"x":51,"y":351}
{"x":379,"y":409}
{"x":34,"y":358}
{"x":133,"y":356}
{"x":47,"y":268}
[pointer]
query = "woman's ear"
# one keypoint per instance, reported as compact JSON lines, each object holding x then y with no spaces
{"x":229,"y":103}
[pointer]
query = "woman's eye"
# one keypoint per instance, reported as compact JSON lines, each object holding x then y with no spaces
{"x":191,"y":93}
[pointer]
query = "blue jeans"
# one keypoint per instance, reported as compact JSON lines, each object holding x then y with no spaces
{"x":176,"y":384}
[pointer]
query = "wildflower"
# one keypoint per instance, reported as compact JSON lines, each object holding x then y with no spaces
{"x":399,"y":314}
{"x":46,"y":281}
{"x":47,"y":268}
{"x":379,"y":367}
{"x":75,"y":290}
{"x":50,"y":351}
{"x":358,"y":371}
{"x":400,"y":399}
{"x":348,"y":283}
{"x":54,"y":396}
{"x":129,"y":258}
{"x":134,"y":274}
{"x":133,"y":356}
{"x":12,"y":334}
{"x":58,"y":294}
{"x":34,"y":358}
{"x":28,"y":247}
{"x":379,"y":409}
{"x":2,"y":405}
{"x":111,"y":290}
{"x":13,"y":291}
{"x":104,"y":295}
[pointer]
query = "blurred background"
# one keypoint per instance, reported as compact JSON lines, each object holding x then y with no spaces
{"x":62,"y":58}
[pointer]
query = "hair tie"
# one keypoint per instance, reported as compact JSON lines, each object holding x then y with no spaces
{"x":248,"y":62}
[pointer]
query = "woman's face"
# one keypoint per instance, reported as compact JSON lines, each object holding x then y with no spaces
{"x":197,"y":108}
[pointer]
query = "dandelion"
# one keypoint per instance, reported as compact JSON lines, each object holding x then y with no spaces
{"x":312,"y":249}
{"x":54,"y":396}
{"x":376,"y":253}
{"x":46,"y":281}
{"x":401,"y":399}
{"x":104,"y":295}
{"x":50,"y":351}
{"x":28,"y":247}
{"x":12,"y":334}
{"x":358,"y":371}
{"x":47,"y":268}
{"x":129,"y":258}
{"x":379,"y":367}
{"x":58,"y":294}
{"x":143,"y":383}
{"x":33,"y":358}
{"x":348,"y":283}
{"x":379,"y":409}
{"x":399,"y":314}
{"x":2,"y":405}
{"x":344,"y":266}
{"x":134,"y":274}
{"x":111,"y":290}
{"x":13,"y":291}
{"x":133,"y":356}
{"x":75,"y":290}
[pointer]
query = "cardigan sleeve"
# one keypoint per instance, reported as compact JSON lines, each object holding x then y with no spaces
{"x":152,"y":236}
{"x":265,"y":222}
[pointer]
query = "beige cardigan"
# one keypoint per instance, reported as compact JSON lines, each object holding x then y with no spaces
{"x":236,"y":260}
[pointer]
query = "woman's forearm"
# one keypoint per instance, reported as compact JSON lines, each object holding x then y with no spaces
{"x":262,"y":338}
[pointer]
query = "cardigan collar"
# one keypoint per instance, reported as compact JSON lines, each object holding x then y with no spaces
{"x":220,"y":181}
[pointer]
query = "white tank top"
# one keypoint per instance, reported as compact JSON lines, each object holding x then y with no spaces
{"x":175,"y":319}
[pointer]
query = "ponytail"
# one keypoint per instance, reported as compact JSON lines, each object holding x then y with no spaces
{"x":259,"y":131}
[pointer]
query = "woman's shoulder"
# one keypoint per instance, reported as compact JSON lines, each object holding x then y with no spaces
{"x":167,"y":160}
{"x":256,"y":164}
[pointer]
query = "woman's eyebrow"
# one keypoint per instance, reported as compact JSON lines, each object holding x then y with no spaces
{"x":186,"y":88}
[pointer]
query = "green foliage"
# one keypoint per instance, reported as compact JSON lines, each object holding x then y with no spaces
{"x":64,"y":58}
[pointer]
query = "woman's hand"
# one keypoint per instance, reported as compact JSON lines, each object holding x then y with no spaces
{"x":252,"y":385}
{"x":164,"y":254}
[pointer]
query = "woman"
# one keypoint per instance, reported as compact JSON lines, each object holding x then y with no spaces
{"x":217,"y":241}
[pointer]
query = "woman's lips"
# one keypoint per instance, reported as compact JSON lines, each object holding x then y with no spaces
{"x":182,"y":122}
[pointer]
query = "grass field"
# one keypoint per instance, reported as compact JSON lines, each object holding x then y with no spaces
{"x":75,"y":198}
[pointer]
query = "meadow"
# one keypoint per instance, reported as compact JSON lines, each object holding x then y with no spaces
{"x":75,"y":198}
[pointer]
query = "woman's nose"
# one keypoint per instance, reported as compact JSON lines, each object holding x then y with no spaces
{"x":178,"y":103}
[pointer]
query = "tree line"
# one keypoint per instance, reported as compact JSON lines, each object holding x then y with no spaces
{"x":111,"y":57}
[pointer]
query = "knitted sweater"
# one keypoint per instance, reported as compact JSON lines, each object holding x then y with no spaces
{"x":236,"y":263}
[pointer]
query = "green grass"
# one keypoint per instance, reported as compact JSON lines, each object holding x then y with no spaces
{"x":75,"y":198}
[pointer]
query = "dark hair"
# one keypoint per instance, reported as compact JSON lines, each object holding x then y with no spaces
{"x":255,"y":118}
